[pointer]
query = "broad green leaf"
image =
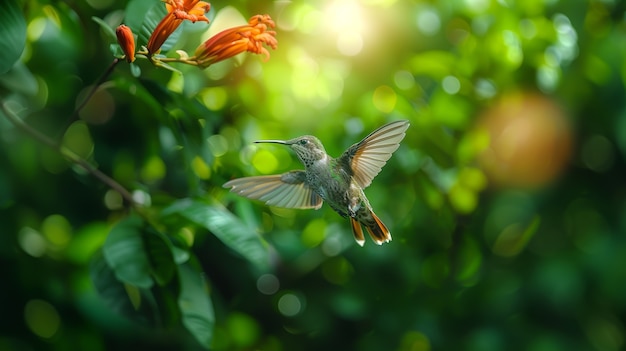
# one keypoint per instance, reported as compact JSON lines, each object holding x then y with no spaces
{"x":226,"y":227}
{"x":160,"y":256}
{"x":13,"y":34}
{"x":116,"y":294}
{"x":125,"y":252}
{"x":109,"y":288}
{"x":195,"y":304}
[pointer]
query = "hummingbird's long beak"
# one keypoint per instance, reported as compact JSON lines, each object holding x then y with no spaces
{"x":283,"y":142}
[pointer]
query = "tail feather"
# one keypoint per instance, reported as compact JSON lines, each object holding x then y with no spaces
{"x":374,"y":226}
{"x":377,"y":230}
{"x":357,"y":231}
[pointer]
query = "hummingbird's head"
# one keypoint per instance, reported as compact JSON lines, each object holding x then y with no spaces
{"x":308,"y":148}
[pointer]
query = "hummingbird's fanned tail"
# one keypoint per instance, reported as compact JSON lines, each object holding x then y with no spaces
{"x":374,"y":226}
{"x":378,"y":231}
{"x":357,"y":231}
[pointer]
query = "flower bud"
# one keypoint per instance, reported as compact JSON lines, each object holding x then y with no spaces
{"x":127,"y":41}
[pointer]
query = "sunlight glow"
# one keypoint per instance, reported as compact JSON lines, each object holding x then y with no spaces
{"x":345,"y":18}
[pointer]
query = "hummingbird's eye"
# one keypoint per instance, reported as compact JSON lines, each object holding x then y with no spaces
{"x":303,"y":142}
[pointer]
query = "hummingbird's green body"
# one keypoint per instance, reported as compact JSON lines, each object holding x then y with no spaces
{"x":338,"y":181}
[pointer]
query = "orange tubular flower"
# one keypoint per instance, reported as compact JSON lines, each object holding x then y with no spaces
{"x":177,"y":11}
{"x":127,"y":41}
{"x":233,"y":41}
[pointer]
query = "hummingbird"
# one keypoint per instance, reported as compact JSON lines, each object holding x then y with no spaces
{"x":338,"y":181}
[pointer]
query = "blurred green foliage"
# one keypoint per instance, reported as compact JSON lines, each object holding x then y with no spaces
{"x":506,"y":200}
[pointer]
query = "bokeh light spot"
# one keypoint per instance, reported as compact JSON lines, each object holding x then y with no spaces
{"x":200,"y":168}
{"x":141,"y":197}
{"x":289,"y":305}
{"x":314,"y":233}
{"x":513,"y":53}
{"x":268,"y":284}
{"x":463,"y":200}
{"x":42,"y":318}
{"x":349,"y":44}
{"x":332,"y":246}
{"x":451,"y":85}
{"x":485,"y":88}
{"x":404,"y":80}
{"x":153,"y":169}
{"x":428,"y":21}
{"x":214,"y":98}
{"x":476,"y":6}
{"x":530,"y":140}
{"x":473,"y":178}
{"x":113,"y":200}
{"x":218,"y":145}
{"x":384,"y":99}
{"x":57,"y":230}
{"x":265,"y":162}
{"x":32,"y":242}
{"x":548,"y":77}
{"x":78,"y":140}
{"x":345,"y":19}
{"x":243,"y":329}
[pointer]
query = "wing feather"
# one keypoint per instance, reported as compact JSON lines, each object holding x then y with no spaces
{"x":287,"y":190}
{"x":367,"y":157}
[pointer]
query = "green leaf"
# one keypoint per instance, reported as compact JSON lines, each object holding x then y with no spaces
{"x":135,"y":70}
{"x":142,"y":16}
{"x":195,"y":304}
{"x":226,"y":227}
{"x":161,"y":257}
{"x":20,"y":79}
{"x":136,"y":12}
{"x":125,"y":252}
{"x":110,"y":33}
{"x":13,"y":34}
{"x":116,"y":294}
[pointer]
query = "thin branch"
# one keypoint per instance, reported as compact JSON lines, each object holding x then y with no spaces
{"x":95,"y":87}
{"x":91,"y":93}
{"x":68,"y":154}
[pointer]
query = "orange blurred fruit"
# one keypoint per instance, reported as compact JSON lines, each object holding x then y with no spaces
{"x":530,"y":141}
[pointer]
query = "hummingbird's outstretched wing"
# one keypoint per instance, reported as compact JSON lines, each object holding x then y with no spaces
{"x":367,"y":157}
{"x":287,"y":190}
